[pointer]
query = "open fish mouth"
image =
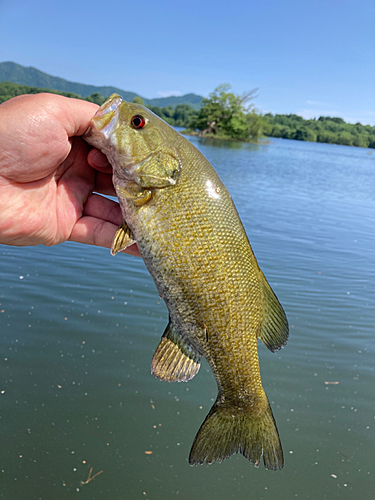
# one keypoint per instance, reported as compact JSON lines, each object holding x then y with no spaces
{"x":105,"y":119}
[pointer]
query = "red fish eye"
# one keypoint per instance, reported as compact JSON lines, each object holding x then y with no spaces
{"x":138,"y":122}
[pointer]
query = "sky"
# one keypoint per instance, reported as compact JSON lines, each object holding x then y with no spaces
{"x":309,"y":57}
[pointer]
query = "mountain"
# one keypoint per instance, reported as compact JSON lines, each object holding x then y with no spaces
{"x":27,"y":75}
{"x":192,"y":100}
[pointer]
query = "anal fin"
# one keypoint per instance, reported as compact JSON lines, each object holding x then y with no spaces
{"x":175,"y":359}
{"x":123,"y":238}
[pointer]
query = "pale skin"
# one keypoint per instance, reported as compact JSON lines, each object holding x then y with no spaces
{"x":50,"y":178}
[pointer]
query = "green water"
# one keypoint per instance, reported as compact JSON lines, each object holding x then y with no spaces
{"x":78,"y":329}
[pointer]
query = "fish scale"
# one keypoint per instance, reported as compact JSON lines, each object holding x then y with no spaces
{"x":195,"y":247}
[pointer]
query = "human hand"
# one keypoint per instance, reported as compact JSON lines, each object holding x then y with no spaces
{"x":47,"y":177}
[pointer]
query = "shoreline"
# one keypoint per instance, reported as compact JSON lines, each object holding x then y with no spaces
{"x":262,"y":140}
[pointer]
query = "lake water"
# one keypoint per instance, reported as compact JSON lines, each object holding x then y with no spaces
{"x":79,"y":328}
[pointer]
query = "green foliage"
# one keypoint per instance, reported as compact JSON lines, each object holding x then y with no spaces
{"x":183,"y":114}
{"x":96,"y":98}
{"x":180,"y":116}
{"x":304,"y":134}
{"x":225,"y":115}
{"x":138,"y":100}
{"x":9,"y":90}
{"x":332,"y":130}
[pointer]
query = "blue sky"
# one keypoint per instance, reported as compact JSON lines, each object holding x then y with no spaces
{"x":307,"y":57}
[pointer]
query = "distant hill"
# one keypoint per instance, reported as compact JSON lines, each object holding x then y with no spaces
{"x":193,"y":100}
{"x":13,"y":72}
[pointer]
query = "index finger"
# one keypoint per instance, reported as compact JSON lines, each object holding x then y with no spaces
{"x":76,"y":114}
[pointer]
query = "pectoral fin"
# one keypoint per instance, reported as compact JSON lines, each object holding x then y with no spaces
{"x":175,"y":359}
{"x":123,"y":238}
{"x":138,"y":197}
{"x":274,"y":329}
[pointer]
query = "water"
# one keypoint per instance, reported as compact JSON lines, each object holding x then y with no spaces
{"x":79,"y":327}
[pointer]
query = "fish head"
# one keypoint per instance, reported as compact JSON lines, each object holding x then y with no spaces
{"x":137,"y":143}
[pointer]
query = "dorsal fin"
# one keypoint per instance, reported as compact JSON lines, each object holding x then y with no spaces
{"x":274,"y":330}
{"x":175,"y":359}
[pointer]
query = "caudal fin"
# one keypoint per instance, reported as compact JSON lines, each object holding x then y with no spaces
{"x":230,"y":429}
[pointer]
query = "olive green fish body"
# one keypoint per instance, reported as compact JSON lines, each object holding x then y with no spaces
{"x":195,"y":247}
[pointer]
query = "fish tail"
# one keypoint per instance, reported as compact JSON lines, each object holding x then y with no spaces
{"x":230,"y":429}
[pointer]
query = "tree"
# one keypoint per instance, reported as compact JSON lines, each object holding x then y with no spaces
{"x":138,"y":100}
{"x":226,"y":115}
{"x":332,"y":130}
{"x":96,"y":98}
{"x":183,"y":114}
{"x":345,"y":138}
{"x":304,"y":134}
{"x":256,"y":124}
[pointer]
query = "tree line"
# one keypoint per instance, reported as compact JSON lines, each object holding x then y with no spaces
{"x":332,"y":130}
{"x":225,"y":115}
{"x":180,"y":116}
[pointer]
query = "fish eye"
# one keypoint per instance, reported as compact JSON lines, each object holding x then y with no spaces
{"x":138,"y":122}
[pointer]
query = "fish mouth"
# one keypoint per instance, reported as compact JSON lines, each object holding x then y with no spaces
{"x":105,"y":120}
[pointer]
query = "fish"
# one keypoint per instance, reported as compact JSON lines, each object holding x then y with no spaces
{"x":193,"y":243}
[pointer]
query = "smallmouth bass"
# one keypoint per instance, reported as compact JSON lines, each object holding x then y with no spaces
{"x":194,"y":245}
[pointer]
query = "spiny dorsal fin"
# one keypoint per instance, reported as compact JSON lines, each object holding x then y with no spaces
{"x":175,"y":359}
{"x":123,"y":238}
{"x":274,"y":330}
